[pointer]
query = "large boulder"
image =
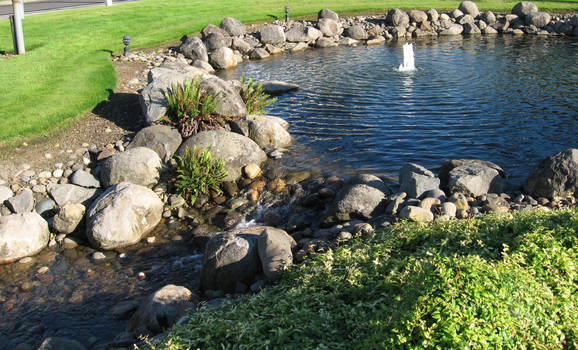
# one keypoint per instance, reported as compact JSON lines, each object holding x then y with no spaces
{"x":272,"y":34}
{"x":152,"y":98}
{"x":231,"y":104}
{"x":22,"y":235}
{"x":449,"y":165}
{"x":233,"y":26}
{"x":415,"y":180}
{"x":223,"y":58}
{"x":162,"y":139}
{"x":362,"y":198}
{"x":327,"y":13}
{"x":71,"y":194}
{"x":469,"y":8}
{"x":524,"y":8}
{"x":194,"y":48}
{"x":329,"y":27}
{"x":122,"y":215}
{"x":215,"y":41}
{"x":140,"y":166}
{"x":274,"y":252}
{"x":475,"y":180}
{"x":555,"y":176}
{"x":268,"y":132}
{"x":539,"y":19}
{"x":303,"y":34}
{"x":397,"y":18}
{"x":417,"y":16}
{"x":161,"y":310}
{"x":236,"y":150}
{"x":231,"y":262}
{"x":355,"y":32}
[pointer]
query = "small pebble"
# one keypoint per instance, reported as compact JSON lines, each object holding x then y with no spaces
{"x":85,"y":160}
{"x":98,"y":256}
{"x":48,"y":156}
{"x":108,"y":130}
{"x":151,"y":240}
{"x":142,"y":276}
{"x":26,"y":286}
{"x":43,"y":270}
{"x":58,"y":165}
{"x":58,"y":173}
{"x":26,"y":260}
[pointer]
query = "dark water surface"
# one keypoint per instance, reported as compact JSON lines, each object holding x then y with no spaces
{"x":510,"y":100}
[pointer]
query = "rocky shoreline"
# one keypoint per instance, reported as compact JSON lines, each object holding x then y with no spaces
{"x":113,"y":197}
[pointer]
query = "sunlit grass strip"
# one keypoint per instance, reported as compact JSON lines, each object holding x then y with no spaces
{"x":490,"y":283}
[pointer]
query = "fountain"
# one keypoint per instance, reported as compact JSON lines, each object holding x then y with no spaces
{"x":408,"y":64}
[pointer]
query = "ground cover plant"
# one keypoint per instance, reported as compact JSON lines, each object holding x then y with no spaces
{"x":486,"y":283}
{"x":191,"y":110}
{"x":198,"y":173}
{"x":67,"y":71}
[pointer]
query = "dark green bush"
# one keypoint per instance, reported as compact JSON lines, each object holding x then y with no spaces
{"x":492,"y":283}
{"x":197,"y":173}
{"x":255,"y":98}
{"x":191,"y":110}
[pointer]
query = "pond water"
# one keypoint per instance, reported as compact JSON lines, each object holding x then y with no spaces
{"x":510,"y":100}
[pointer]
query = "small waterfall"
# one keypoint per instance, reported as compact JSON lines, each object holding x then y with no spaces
{"x":408,"y":64}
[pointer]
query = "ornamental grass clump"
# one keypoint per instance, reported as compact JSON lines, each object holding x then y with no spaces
{"x":191,"y":110}
{"x":254,"y":96}
{"x":198,"y":173}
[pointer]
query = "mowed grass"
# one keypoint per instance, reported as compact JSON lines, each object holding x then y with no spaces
{"x":67,"y":71}
{"x":496,"y":282}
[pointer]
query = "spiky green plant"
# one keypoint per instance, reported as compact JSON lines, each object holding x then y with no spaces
{"x":191,"y":110}
{"x":254,"y":96}
{"x":197,"y":173}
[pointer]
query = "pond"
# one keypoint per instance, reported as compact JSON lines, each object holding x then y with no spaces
{"x":510,"y":100}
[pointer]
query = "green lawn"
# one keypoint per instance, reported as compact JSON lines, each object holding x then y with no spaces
{"x":497,"y":282}
{"x":67,"y":71}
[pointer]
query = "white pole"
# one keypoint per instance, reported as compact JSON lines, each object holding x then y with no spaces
{"x":18,"y":27}
{"x":21,"y":9}
{"x":108,"y":2}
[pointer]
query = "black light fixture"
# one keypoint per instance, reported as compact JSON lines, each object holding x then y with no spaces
{"x":287,"y":8}
{"x":126,"y":42}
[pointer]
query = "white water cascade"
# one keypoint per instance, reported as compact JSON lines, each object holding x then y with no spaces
{"x":408,"y":64}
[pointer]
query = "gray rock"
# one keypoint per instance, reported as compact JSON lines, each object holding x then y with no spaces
{"x":359,"y":201}
{"x":453,"y":29}
{"x":355,"y":32}
{"x":275,"y":253}
{"x":57,"y":343}
{"x":275,"y":87}
{"x":258,"y":53}
{"x":524,"y":8}
{"x":465,"y":19}
{"x":329,"y":27}
{"x":223,"y":58}
{"x":241,"y":45}
{"x":140,"y":166}
{"x":539,"y":19}
{"x":348,"y":41}
{"x":5,"y":193}
{"x":435,"y":193}
{"x":211,"y":28}
{"x":475,"y":180}
{"x":233,"y":26}
{"x":45,"y":205}
{"x":152,"y":98}
{"x":70,"y":194}
{"x":460,"y":201}
{"x":394,"y":202}
{"x":555,"y":176}
{"x":457,"y":13}
{"x":489,"y":31}
{"x":68,"y":218}
{"x":563,"y":28}
{"x":236,"y":150}
{"x":471,"y":29}
{"x":449,"y":209}
{"x":322,"y":43}
{"x":397,"y":18}
{"x":469,"y":8}
{"x":303,"y":34}
{"x":416,"y":214}
{"x":417,"y":16}
{"x":84,"y":179}
{"x":122,"y":215}
{"x":272,"y":34}
{"x":215,"y":41}
{"x":268,"y":132}
{"x":21,"y":203}
{"x":327,"y":13}
{"x":415,"y":180}
{"x":232,"y":104}
{"x":489,"y":17}
{"x":448,"y":165}
{"x":432,"y":15}
{"x":161,"y":310}
{"x":163,"y":139}
{"x":229,"y":259}
{"x":194,"y":48}
{"x":204,"y":66}
{"x":124,"y":309}
{"x":22,"y":235}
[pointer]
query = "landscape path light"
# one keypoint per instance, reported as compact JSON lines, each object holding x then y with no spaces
{"x":287,"y":8}
{"x":126,"y":42}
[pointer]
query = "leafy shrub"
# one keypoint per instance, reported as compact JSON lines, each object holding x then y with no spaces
{"x":255,"y":98}
{"x":191,"y":110}
{"x":499,"y":282}
{"x":197,"y":173}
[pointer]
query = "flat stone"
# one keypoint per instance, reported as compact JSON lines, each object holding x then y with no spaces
{"x":21,"y":203}
{"x":416,"y":214}
{"x":275,"y":87}
{"x":85,"y":179}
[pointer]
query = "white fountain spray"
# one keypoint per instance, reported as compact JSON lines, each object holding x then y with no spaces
{"x":408,"y":64}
